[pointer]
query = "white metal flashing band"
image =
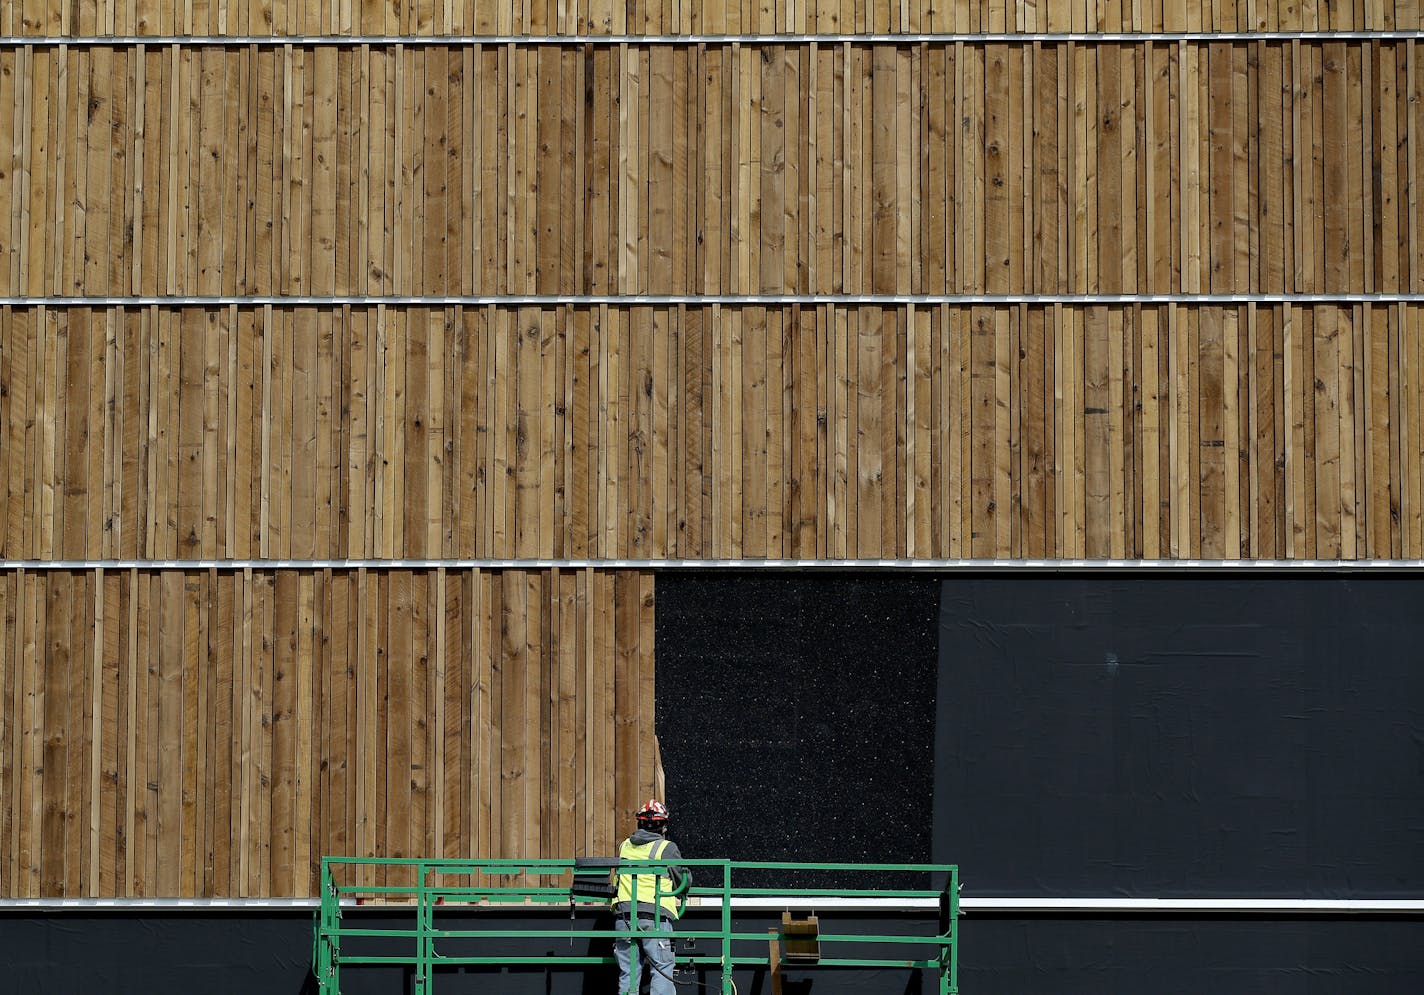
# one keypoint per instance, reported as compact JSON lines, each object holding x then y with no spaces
{"x":701,"y":300}
{"x":891,"y":565}
{"x":907,"y":38}
{"x":1026,"y":906}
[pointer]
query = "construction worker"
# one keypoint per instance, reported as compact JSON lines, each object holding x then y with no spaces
{"x":638,"y":894}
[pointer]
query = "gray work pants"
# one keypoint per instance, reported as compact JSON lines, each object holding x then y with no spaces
{"x":657,"y":959}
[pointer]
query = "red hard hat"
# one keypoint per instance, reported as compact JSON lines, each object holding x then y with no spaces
{"x":653,"y":811}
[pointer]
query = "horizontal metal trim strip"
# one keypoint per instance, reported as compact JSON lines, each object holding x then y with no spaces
{"x":881,"y":38}
{"x":701,"y":300}
{"x":903,"y":565}
{"x":1029,"y":906}
{"x":1174,"y":906}
{"x":158,"y":904}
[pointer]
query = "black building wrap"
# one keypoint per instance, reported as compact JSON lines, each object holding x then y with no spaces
{"x":1233,"y":735}
{"x":796,"y":714}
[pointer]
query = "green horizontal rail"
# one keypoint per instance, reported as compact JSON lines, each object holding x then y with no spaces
{"x":533,"y":961}
{"x":600,"y":934}
{"x":522,"y":885}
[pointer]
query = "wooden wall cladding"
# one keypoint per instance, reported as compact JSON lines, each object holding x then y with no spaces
{"x":1280,"y":431}
{"x":547,"y":17}
{"x":172,"y":733}
{"x":1260,"y":167}
{"x":214,"y":731}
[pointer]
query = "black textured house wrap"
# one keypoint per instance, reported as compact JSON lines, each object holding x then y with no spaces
{"x":796,"y":714}
{"x":1241,"y":735}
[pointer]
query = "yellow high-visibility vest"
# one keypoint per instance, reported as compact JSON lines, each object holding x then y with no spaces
{"x":647,"y":884}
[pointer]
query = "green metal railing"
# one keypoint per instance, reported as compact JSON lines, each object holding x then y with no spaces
{"x":423,"y":886}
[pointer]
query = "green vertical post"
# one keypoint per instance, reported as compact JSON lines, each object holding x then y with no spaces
{"x":422,"y":939}
{"x":946,"y":938}
{"x":727,"y":986}
{"x":326,"y":965}
{"x":954,"y":930}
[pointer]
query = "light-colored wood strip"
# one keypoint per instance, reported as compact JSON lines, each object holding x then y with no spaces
{"x":651,"y":781}
{"x":48,"y":422}
{"x":1152,"y":442}
{"x":53,"y":812}
{"x":1120,"y":491}
{"x":1273,"y":358}
{"x":1329,"y":430}
{"x":102,"y":685}
{"x":77,"y":797}
{"x":221,"y":774}
{"x":1314,"y":326}
{"x":69,"y":86}
{"x":1097,"y":419}
{"x":368,"y":712}
{"x":548,"y":342}
{"x":28,"y":846}
{"x":18,"y":732}
{"x":864,"y":350}
{"x":720,"y":467}
{"x":420,"y":712}
{"x":623,"y":592}
{"x":1005,"y":432}
{"x":537,"y":813}
{"x":1232,"y":436}
{"x":442,"y":678}
{"x":1350,"y":341}
{"x":86,"y":221}
{"x":1380,"y":495}
{"x":1290,"y":410}
{"x":395,"y":810}
{"x":128,"y":722}
{"x":1069,"y":467}
{"x":245,"y":686}
{"x":464,"y":659}
{"x":75,"y":363}
{"x":487,"y":768}
{"x":780,"y":430}
{"x":193,"y":732}
{"x":380,"y":602}
{"x":15,"y":358}
{"x":1400,"y":423}
{"x":306,"y":666}
{"x":1191,"y":157}
{"x":323,"y":169}
{"x":1195,"y":359}
{"x":14,"y":74}
{"x":10,"y":713}
{"x":1412,"y":455}
{"x":512,"y":792}
{"x":1180,"y":445}
{"x":31,"y":141}
{"x":756,"y":415}
{"x":284,"y":732}
{"x":1258,"y":492}
{"x":166,"y":712}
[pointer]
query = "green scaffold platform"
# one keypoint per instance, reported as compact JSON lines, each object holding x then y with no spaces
{"x":422,"y":888}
